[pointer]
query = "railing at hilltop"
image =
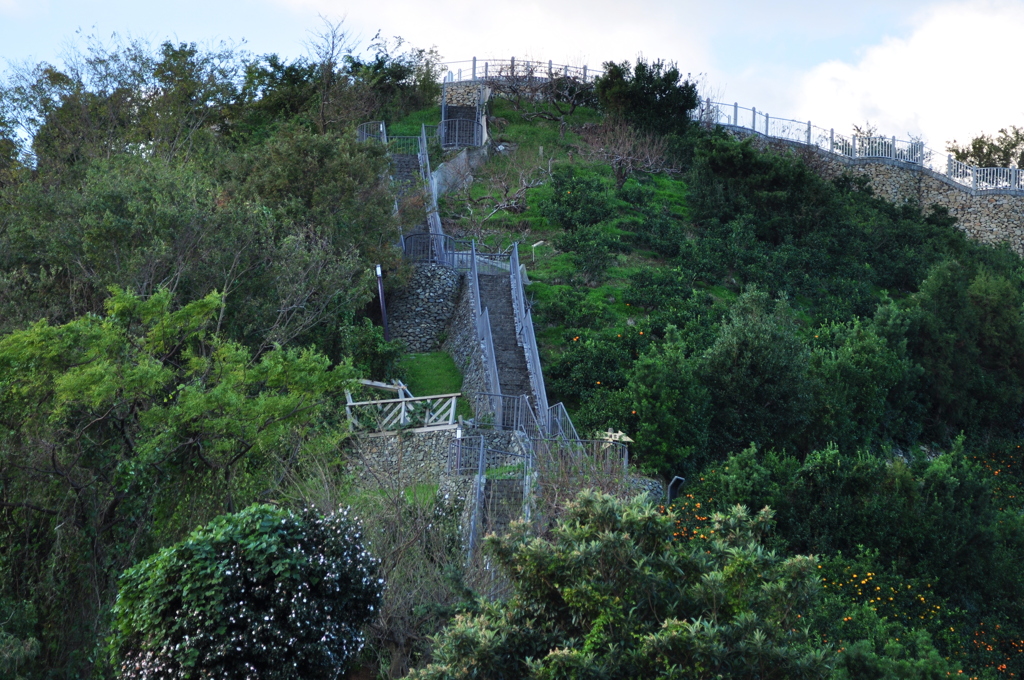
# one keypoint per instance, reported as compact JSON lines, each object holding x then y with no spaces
{"x":474,"y":69}
{"x":912,"y":151}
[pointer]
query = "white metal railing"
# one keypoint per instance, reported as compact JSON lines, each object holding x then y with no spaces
{"x":385,"y":415}
{"x":486,"y":69}
{"x":854,"y":146}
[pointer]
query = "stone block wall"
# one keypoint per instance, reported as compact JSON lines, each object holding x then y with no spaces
{"x":466,"y":93}
{"x":464,"y":346}
{"x":420,"y":312}
{"x":653,"y":488}
{"x":401,"y":460}
{"x":990,"y":217}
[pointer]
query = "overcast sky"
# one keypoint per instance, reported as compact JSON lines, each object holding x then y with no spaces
{"x":944,"y":70}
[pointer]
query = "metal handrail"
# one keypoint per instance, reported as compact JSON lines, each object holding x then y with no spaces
{"x":527,"y":337}
{"x":560,"y":424}
{"x":406,"y":144}
{"x":375,"y":130}
{"x":612,"y":456}
{"x":913,"y":152}
{"x":501,"y":68}
{"x":464,"y":452}
{"x":487,"y":341}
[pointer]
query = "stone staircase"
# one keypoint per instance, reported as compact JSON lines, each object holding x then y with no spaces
{"x":405,"y":170}
{"x":496,"y":296}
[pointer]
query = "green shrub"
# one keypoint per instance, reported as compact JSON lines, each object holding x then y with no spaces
{"x":651,"y":96}
{"x":756,"y":376}
{"x":590,"y":248}
{"x":612,"y":593}
{"x":578,"y":199}
{"x":262,"y":593}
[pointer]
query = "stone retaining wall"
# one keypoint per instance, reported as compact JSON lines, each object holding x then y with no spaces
{"x":991,"y":217}
{"x":653,"y":488}
{"x":462,"y":343}
{"x":466,"y":93}
{"x":401,"y":460}
{"x":420,"y":312}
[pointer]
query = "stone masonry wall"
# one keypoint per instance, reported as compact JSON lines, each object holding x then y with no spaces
{"x":991,"y":217}
{"x":462,"y":343}
{"x":401,"y":460}
{"x":465,"y":93}
{"x":420,"y":312}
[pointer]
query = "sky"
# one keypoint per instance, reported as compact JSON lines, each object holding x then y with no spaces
{"x":942,"y":70}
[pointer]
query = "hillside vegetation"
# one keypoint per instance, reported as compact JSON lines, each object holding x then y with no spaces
{"x":186,"y":245}
{"x":783,"y":340}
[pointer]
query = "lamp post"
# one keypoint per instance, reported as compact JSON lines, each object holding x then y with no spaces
{"x":383,"y":307}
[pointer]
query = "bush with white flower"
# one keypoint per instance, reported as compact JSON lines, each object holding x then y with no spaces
{"x":263,"y":593}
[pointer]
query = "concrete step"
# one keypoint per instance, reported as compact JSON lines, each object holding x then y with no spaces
{"x":405,"y":170}
{"x":496,"y":296}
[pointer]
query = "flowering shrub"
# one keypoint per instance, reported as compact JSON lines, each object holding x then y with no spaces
{"x":263,"y":593}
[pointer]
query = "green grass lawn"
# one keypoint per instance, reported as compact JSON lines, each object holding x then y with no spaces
{"x":433,"y":373}
{"x":410,"y":125}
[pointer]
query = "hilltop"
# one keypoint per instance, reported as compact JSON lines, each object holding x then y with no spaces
{"x":188,"y":242}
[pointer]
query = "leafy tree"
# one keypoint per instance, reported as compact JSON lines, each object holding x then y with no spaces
{"x":612,"y":593}
{"x":287,"y":239}
{"x":399,"y":81}
{"x":1005,"y":150}
{"x":756,"y":375}
{"x":856,"y":378}
{"x":123,"y":431}
{"x":261,"y":593}
{"x":651,"y":96}
{"x":273,"y":93}
{"x":967,"y":332}
{"x":578,"y":199}
{"x":931,"y":526}
{"x":672,"y":408}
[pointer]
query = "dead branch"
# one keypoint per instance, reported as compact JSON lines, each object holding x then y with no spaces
{"x":627,"y":150}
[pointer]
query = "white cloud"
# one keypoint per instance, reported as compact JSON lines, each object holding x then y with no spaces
{"x":570,"y":31}
{"x":955,"y":75}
